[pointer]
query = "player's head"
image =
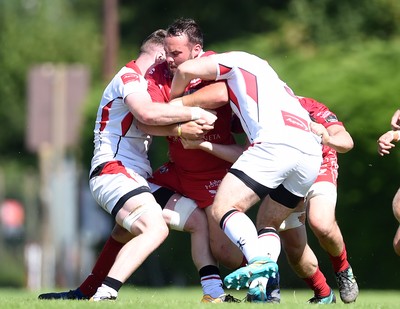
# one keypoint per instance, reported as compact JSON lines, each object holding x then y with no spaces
{"x":184,"y":41}
{"x":153,"y":45}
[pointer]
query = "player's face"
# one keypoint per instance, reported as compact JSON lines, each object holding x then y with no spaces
{"x":178,"y":50}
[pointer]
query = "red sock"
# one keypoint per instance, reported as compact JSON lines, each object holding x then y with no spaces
{"x":340,"y":263}
{"x":317,"y":283}
{"x":102,"y":267}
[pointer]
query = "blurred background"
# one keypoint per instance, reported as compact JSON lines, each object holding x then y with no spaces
{"x":56,"y":57}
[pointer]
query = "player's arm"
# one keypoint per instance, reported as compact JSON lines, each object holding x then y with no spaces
{"x":204,"y":68}
{"x":385,"y":142}
{"x":395,"y":121}
{"x":228,"y":153}
{"x":147,"y":112}
{"x":211,"y":96}
{"x":339,"y":138}
{"x":334,"y":136}
{"x":189,"y":130}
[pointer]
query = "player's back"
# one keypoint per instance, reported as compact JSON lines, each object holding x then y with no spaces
{"x":267,"y":107}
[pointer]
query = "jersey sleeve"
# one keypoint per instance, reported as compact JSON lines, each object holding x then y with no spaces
{"x":159,"y":83}
{"x":130,"y":82}
{"x":319,"y":112}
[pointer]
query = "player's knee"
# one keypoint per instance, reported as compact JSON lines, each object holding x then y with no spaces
{"x":396,"y":206}
{"x":154,"y":222}
{"x":120,"y":234}
{"x":396,"y":247}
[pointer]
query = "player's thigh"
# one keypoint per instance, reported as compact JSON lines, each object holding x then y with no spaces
{"x":273,"y":213}
{"x":232,"y":193}
{"x":321,"y":206}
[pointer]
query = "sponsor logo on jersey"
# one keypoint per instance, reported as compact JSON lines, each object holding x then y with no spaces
{"x":129,"y":77}
{"x":295,"y":121}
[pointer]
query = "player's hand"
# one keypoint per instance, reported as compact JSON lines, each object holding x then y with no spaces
{"x":395,"y":122}
{"x":321,"y":131}
{"x":195,"y":129}
{"x":209,"y":116}
{"x":385,"y":143}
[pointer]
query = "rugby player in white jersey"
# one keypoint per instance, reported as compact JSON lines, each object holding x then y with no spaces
{"x":120,"y":165}
{"x":278,"y":168}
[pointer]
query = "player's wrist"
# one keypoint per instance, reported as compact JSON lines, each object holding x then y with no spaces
{"x":177,"y":102}
{"x":196,"y":112}
{"x":395,"y":135}
{"x":179,"y":129}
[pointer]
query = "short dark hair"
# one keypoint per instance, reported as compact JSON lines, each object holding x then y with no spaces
{"x":186,"y":26}
{"x":155,"y":38}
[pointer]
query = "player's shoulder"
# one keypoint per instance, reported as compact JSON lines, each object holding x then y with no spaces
{"x":158,"y":70}
{"x":309,"y":103}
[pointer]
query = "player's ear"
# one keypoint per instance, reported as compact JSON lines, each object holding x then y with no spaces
{"x":197,"y":48}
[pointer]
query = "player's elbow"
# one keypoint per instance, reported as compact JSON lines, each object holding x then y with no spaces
{"x":348,"y":145}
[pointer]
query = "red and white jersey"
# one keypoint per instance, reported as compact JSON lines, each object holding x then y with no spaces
{"x":188,"y":160}
{"x":321,"y":114}
{"x":266,"y":106}
{"x":115,"y":135}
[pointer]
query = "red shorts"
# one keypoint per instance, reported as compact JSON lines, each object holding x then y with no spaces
{"x":328,"y":170}
{"x":200,"y":187}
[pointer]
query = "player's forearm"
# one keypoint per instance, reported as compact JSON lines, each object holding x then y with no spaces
{"x":211,"y":96}
{"x":168,"y":130}
{"x":340,"y":141}
{"x":228,"y":153}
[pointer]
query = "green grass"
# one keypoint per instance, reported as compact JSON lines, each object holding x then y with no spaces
{"x":142,"y":298}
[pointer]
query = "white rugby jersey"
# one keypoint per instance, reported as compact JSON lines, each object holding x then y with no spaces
{"x":116,"y":136}
{"x":265,"y":105}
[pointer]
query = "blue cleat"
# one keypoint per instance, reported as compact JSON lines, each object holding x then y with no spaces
{"x":264,"y":290}
{"x":257,"y":267}
{"x":330,"y":299}
{"x":273,"y":290}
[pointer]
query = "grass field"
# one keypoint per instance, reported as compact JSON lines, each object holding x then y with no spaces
{"x":143,"y":298}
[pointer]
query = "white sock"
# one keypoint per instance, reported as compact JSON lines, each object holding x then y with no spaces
{"x":270,"y":241}
{"x":242,"y":232}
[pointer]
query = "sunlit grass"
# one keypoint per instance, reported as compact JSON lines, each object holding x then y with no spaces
{"x":132,"y":297}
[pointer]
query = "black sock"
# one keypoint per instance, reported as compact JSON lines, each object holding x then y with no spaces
{"x":209,"y":270}
{"x":112,"y":283}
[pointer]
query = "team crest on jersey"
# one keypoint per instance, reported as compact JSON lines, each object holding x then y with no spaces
{"x":331,"y":118}
{"x":129,"y":77}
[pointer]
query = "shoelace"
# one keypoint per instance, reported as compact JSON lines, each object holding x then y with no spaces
{"x":344,"y":279}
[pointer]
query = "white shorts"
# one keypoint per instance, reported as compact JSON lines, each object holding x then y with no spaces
{"x":115,"y":184}
{"x":274,"y":164}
